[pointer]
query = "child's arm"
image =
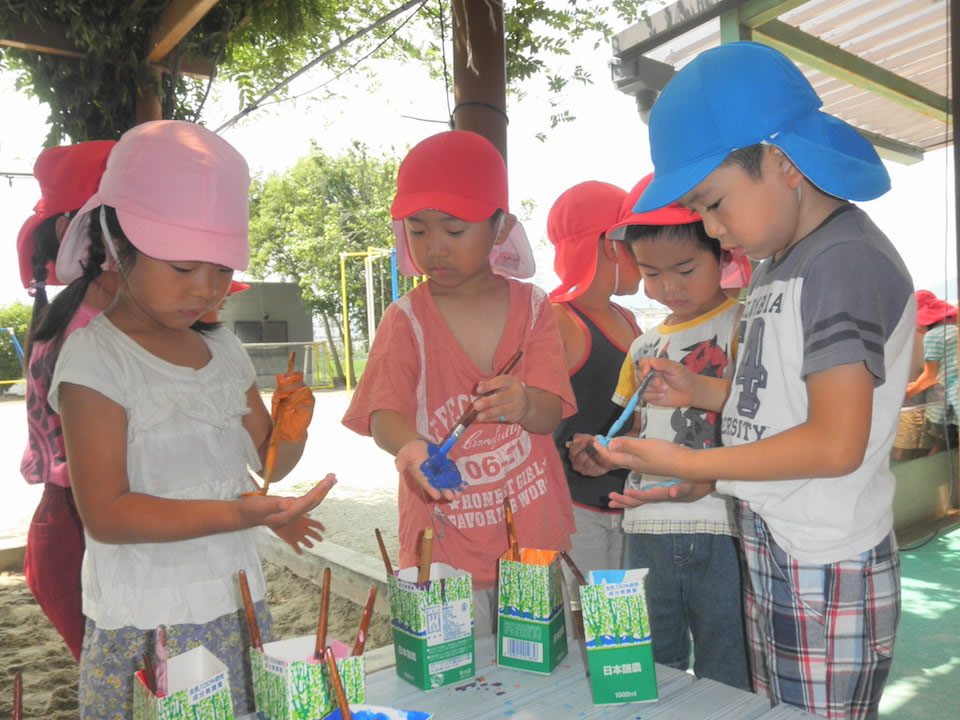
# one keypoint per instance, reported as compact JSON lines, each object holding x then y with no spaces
{"x":392,"y":432}
{"x":536,"y":410}
{"x":111,"y":513}
{"x":926,"y":379}
{"x":293,"y":435}
{"x":831,"y":442}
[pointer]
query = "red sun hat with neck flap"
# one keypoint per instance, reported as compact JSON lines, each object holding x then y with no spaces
{"x":575,"y":224}
{"x":68,"y":176}
{"x":931,"y":309}
{"x":462,"y":174}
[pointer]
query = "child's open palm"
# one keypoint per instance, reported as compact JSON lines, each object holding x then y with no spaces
{"x":277,"y":511}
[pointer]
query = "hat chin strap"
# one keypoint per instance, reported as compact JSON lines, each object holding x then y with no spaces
{"x":107,"y":238}
{"x":616,"y":278}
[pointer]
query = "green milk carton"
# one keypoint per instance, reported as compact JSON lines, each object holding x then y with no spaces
{"x":288,"y":684}
{"x":432,"y":626}
{"x":198,"y":688}
{"x":616,"y":629}
{"x":531,"y":634}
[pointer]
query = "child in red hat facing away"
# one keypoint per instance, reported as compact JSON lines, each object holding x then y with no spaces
{"x":596,"y":334}
{"x":68,"y":176}
{"x":440,"y":347}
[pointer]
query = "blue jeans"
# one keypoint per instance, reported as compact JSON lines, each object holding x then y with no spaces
{"x":693,"y":592}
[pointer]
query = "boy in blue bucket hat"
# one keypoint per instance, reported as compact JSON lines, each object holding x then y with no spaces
{"x":811,"y":413}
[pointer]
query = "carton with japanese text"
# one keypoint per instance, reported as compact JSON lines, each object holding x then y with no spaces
{"x":432,"y":625}
{"x":531,"y":634}
{"x":616,"y":629}
{"x":289,"y":684}
{"x":198,"y":688}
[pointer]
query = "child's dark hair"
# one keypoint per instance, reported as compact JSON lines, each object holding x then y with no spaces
{"x":57,"y":315}
{"x":45,"y":247}
{"x":748,"y":158}
{"x":688,"y":231}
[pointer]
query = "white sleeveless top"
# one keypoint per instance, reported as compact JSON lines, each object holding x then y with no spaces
{"x":185,"y":440}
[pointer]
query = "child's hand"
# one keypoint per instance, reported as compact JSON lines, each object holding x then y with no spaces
{"x":302,"y":530}
{"x":671,"y":387}
{"x":503,"y":400}
{"x":685,"y":491}
{"x":273,"y":510}
{"x":408,"y":461}
{"x":650,"y":457}
{"x":292,"y":407}
{"x":584,"y":458}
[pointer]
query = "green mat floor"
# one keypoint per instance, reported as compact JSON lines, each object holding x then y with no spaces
{"x":924,"y":681}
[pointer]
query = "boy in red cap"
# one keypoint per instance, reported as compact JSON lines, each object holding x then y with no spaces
{"x":68,"y":176}
{"x":440,"y":347}
{"x":937,"y":320}
{"x":689,"y":546}
{"x":596,"y":334}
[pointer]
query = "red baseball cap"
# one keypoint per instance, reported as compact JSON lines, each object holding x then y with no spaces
{"x":931,"y":309}
{"x":68,"y":176}
{"x":461,"y":174}
{"x":577,"y":220}
{"x":237,"y":287}
{"x":735,"y":274}
{"x":672,"y":214}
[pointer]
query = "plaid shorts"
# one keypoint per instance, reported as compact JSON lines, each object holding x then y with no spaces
{"x":111,"y":657}
{"x":820,"y":637}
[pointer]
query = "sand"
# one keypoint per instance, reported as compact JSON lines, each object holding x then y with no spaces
{"x":29,"y":644}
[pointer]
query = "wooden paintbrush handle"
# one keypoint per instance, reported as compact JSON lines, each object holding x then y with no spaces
{"x":324,"y":614}
{"x":511,"y":530}
{"x":383,"y":552}
{"x":426,"y":555}
{"x":338,"y":686}
{"x":17,"y":713}
{"x":365,"y":622}
{"x":573,"y":568}
{"x":251,"y":614}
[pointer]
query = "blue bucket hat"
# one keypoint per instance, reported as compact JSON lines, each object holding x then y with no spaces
{"x":741,"y":94}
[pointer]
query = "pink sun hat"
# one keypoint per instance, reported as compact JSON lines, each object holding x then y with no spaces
{"x":575,"y":223}
{"x":180,"y":192}
{"x":462,"y":174}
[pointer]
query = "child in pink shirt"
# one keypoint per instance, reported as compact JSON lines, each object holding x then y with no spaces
{"x":441,"y":346}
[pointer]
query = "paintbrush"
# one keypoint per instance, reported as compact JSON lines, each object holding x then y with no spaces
{"x":149,"y":674}
{"x":426,"y":555}
{"x":383,"y":552}
{"x":271,"y":459}
{"x":365,"y":622}
{"x":160,"y":668}
{"x":255,"y":641}
{"x":471,"y":414}
{"x":321,"y":639}
{"x":17,"y":712}
{"x":575,"y":607}
{"x":338,"y":686}
{"x":511,"y":530}
{"x":631,"y":406}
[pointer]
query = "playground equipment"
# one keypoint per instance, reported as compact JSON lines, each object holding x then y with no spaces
{"x":369,"y":257}
{"x":19,"y":350}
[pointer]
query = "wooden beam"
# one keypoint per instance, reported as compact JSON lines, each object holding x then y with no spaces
{"x":48,"y":38}
{"x":891,"y":149}
{"x":829,"y":59}
{"x":176,"y":21}
{"x":673,"y":21}
{"x":759,"y":12}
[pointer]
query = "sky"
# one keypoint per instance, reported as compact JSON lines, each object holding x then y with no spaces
{"x":607,"y":141}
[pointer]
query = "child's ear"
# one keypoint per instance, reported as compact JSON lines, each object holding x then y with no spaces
{"x":786,"y":167}
{"x":506,"y":225}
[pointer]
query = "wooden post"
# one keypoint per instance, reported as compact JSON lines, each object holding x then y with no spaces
{"x":479,"y":70}
{"x":149,"y":102}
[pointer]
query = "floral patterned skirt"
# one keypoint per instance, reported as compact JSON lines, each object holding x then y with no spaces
{"x":111,"y":657}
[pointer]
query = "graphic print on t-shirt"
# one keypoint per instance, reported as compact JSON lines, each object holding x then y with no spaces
{"x":696,"y":428}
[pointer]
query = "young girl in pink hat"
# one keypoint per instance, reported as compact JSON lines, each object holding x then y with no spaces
{"x":161,"y":416}
{"x":441,"y":346}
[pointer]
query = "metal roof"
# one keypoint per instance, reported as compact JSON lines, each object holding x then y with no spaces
{"x":881,"y":65}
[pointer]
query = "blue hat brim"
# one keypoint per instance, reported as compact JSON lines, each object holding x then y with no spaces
{"x":670,"y":187}
{"x":835,"y":157}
